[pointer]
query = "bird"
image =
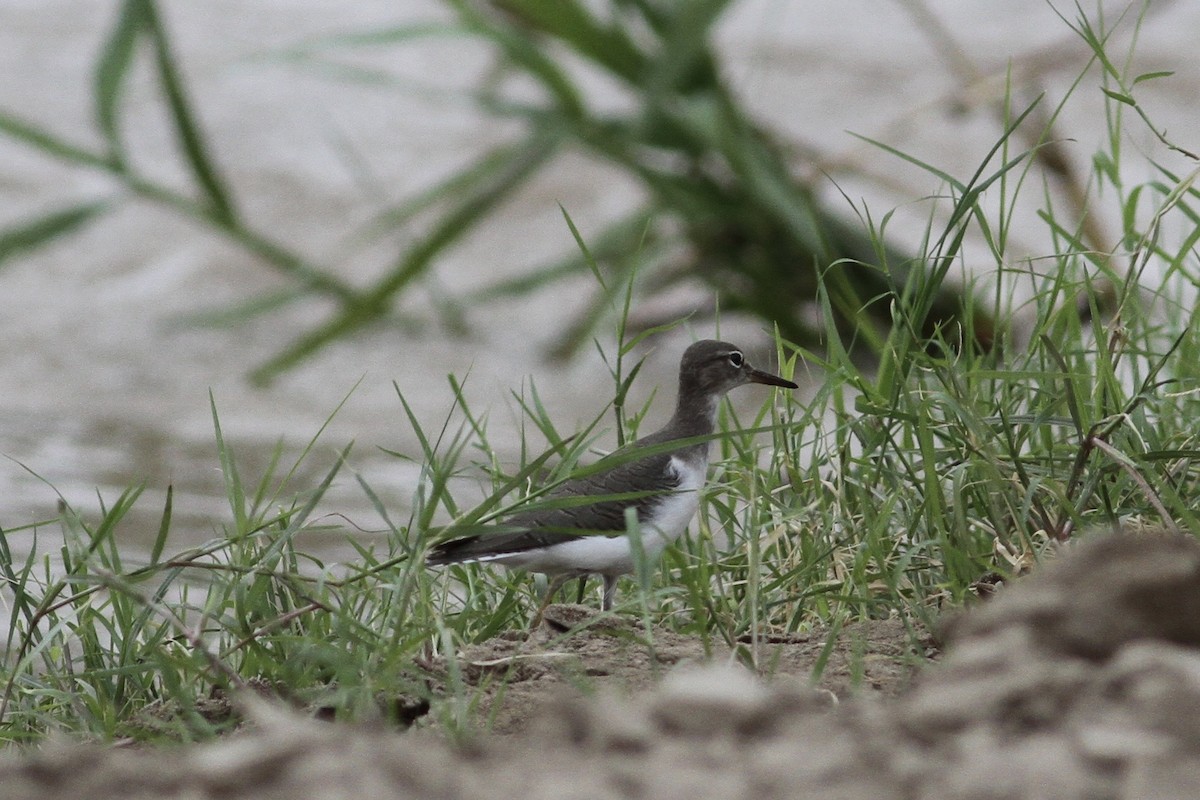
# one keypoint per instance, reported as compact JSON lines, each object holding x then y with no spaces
{"x":574,"y":536}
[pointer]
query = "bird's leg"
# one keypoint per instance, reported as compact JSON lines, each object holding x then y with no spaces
{"x":610,"y":592}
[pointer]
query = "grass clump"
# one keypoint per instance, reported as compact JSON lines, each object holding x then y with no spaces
{"x":863,"y":500}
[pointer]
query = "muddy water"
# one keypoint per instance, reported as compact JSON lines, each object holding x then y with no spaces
{"x":102,"y":386}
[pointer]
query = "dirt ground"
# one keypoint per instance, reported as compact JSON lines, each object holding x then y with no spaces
{"x":1081,"y":681}
{"x":513,"y":679}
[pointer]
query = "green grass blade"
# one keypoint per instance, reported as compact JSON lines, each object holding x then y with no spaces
{"x":588,"y":258}
{"x":569,"y":20}
{"x":314,"y":497}
{"x":451,"y":228}
{"x":396,"y":34}
{"x":684,"y":62}
{"x":479,"y":172}
{"x":187,"y":130}
{"x":107,"y":528}
{"x":164,"y":527}
{"x":29,"y":235}
{"x":108,"y":79}
{"x":528,"y":54}
{"x":235,"y":492}
{"x":37,"y":137}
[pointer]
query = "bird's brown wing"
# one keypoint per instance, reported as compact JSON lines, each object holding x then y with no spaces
{"x":613,"y":491}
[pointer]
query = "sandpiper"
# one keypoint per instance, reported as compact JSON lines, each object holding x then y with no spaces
{"x":576,"y":540}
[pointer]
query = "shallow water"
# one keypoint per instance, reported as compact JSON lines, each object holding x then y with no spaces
{"x":103,"y":387}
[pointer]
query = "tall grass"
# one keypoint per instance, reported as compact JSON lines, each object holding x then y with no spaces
{"x":721,"y":200}
{"x":881,"y":491}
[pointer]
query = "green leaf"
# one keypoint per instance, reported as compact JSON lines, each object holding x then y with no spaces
{"x":525,"y":53}
{"x":397,"y":34}
{"x":35,"y":136}
{"x":191,"y":140}
{"x":164,"y":527}
{"x":684,"y":63}
{"x":113,"y":66}
{"x":477,"y":173}
{"x":583,"y":248}
{"x":234,"y":490}
{"x":454,"y":225}
{"x":1150,"y":76}
{"x":1119,"y":97}
{"x":30,"y":235}
{"x":568,"y":20}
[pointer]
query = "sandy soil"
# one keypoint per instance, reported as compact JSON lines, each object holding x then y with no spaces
{"x":1082,"y":681}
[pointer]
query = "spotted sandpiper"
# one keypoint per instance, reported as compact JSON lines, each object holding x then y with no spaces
{"x":570,"y":539}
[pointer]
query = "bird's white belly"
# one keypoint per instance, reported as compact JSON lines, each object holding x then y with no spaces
{"x":613,"y":555}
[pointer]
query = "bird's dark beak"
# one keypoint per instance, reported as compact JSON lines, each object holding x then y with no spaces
{"x":758,"y":376}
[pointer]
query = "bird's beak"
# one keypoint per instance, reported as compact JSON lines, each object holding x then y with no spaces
{"x":758,"y":376}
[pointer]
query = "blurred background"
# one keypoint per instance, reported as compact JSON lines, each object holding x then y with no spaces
{"x":287,"y":203}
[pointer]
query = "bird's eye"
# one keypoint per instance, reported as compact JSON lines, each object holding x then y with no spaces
{"x":736,"y":358}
